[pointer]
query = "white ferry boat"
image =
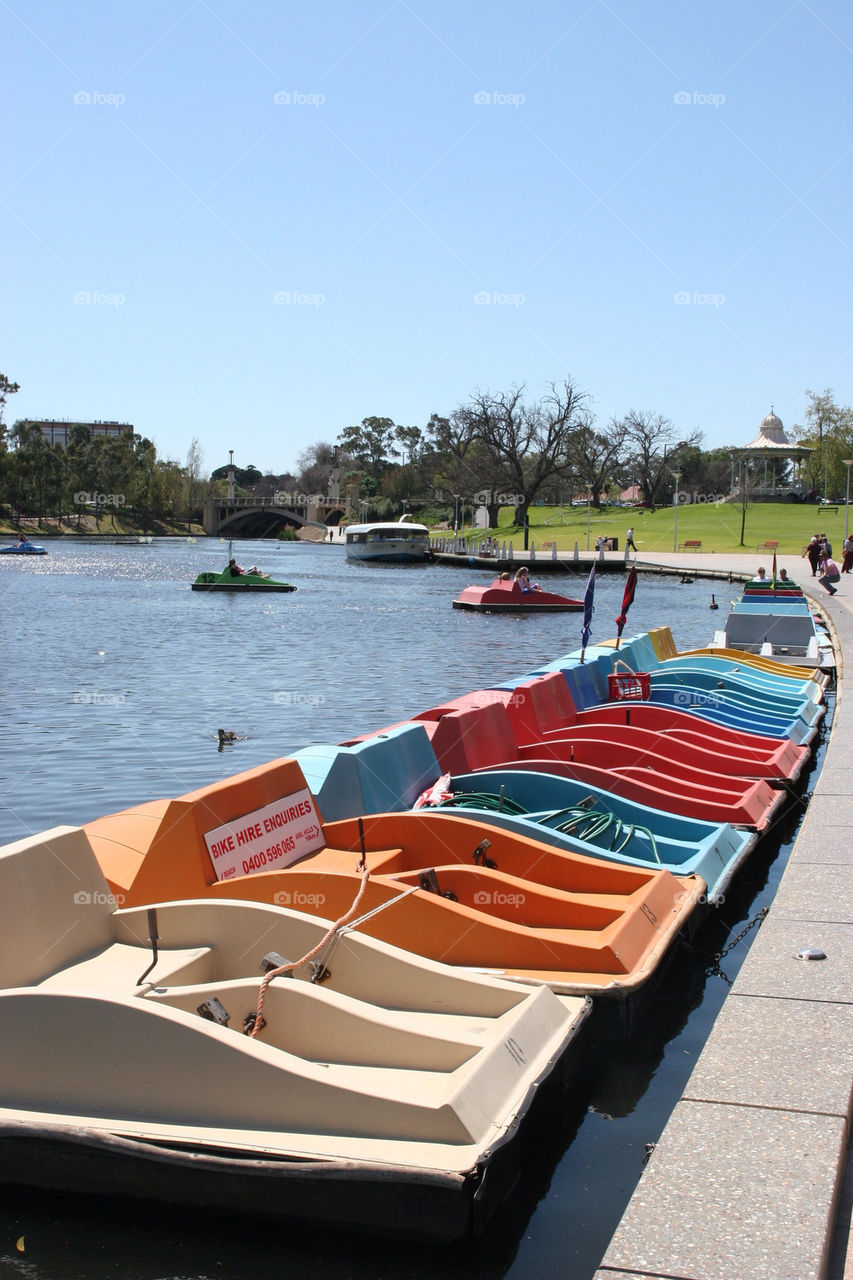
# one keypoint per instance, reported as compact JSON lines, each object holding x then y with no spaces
{"x":399,"y":540}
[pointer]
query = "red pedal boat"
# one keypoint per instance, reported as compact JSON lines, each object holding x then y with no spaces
{"x":506,"y":596}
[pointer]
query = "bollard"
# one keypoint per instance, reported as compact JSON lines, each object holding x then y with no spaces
{"x":554,"y":550}
{"x":576,"y":554}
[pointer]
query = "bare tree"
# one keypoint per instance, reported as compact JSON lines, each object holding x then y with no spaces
{"x":652,"y":444}
{"x":594,"y":455}
{"x":529,"y":443}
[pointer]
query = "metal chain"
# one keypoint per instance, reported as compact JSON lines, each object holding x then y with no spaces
{"x":714,"y":968}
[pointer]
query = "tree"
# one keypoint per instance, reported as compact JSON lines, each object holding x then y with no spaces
{"x":370,"y":446}
{"x":829,"y":430}
{"x":529,"y":443}
{"x":411,"y":441}
{"x":34,"y":470}
{"x":7,"y":388}
{"x":654,"y":451}
{"x":194,"y":476}
{"x":594,"y":455}
{"x":462,"y":465}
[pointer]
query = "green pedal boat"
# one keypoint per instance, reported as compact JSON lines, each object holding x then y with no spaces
{"x":245,"y":581}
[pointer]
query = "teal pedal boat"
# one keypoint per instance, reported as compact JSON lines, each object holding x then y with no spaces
{"x":571,"y":815}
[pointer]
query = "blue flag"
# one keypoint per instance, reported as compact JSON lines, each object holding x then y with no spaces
{"x":588,"y":597}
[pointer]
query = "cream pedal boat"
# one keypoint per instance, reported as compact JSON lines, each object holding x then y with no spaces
{"x":384,"y":1093}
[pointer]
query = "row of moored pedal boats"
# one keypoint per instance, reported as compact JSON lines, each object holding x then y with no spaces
{"x":182,"y":1020}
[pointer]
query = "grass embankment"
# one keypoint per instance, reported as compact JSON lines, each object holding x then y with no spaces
{"x":717,"y":527}
{"x":110,"y":526}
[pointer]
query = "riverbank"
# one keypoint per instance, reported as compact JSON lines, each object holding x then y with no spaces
{"x":747,"y":1177}
{"x":88,"y":527}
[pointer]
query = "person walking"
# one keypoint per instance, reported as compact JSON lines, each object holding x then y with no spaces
{"x":630,"y":544}
{"x":812,"y":553}
{"x":847,"y":562}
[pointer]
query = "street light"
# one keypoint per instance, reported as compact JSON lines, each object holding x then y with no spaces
{"x":848,"y":462}
{"x":455,"y":513}
{"x":677,"y":476}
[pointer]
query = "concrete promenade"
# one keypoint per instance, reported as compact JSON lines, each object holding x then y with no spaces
{"x":750,"y":1178}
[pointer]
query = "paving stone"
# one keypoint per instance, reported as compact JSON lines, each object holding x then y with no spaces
{"x":787,"y":1054}
{"x":825,"y":836}
{"x":835,"y":780}
{"x":733,"y":1192}
{"x":808,"y":892}
{"x":771,"y":970}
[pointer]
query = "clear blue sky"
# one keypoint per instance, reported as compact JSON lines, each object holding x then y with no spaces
{"x":627,"y":155}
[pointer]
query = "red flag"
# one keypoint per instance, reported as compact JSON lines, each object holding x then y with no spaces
{"x":627,"y":599}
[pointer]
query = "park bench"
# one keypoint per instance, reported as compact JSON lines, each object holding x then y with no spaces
{"x":770,"y":545}
{"x":692,"y":544}
{"x":827,"y":506}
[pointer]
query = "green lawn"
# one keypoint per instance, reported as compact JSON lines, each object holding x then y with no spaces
{"x":717,"y":526}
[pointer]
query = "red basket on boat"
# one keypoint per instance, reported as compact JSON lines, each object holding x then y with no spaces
{"x":628,"y":686}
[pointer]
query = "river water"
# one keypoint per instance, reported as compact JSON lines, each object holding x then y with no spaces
{"x":117,"y":677}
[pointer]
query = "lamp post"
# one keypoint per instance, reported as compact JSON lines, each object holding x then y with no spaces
{"x":230,"y":477}
{"x":587,"y":518}
{"x":848,"y":462}
{"x":455,"y":514}
{"x":677,"y":476}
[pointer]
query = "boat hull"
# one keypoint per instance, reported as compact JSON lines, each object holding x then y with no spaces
{"x":507,"y":597}
{"x":245,"y":582}
{"x":402,"y":553}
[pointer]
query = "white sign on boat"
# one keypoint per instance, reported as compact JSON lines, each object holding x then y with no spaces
{"x":266,"y":839}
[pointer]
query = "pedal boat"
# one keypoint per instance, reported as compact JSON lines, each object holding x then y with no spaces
{"x":398,"y":770}
{"x":569,"y":815}
{"x":226,"y":581}
{"x":385,"y":1094}
{"x":582,"y":925}
{"x":23,"y":549}
{"x":508,"y":597}
{"x":477,"y":734}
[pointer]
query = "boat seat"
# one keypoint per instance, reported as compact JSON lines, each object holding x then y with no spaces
{"x":57,"y":906}
{"x":117,"y":968}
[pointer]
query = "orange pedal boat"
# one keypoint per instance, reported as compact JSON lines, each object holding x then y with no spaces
{"x":441,"y":886}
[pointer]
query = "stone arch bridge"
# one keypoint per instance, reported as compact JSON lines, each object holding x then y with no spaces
{"x":266,"y":517}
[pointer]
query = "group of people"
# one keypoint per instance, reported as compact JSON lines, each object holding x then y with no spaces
{"x":819,"y":555}
{"x":761,"y":576}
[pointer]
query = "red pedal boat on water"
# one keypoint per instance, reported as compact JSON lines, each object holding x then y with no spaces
{"x":506,"y":596}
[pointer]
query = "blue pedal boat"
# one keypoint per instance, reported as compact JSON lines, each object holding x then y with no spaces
{"x":571,"y":815}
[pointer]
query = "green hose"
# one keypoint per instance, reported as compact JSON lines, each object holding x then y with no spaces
{"x":483,"y":800}
{"x":589,"y":825}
